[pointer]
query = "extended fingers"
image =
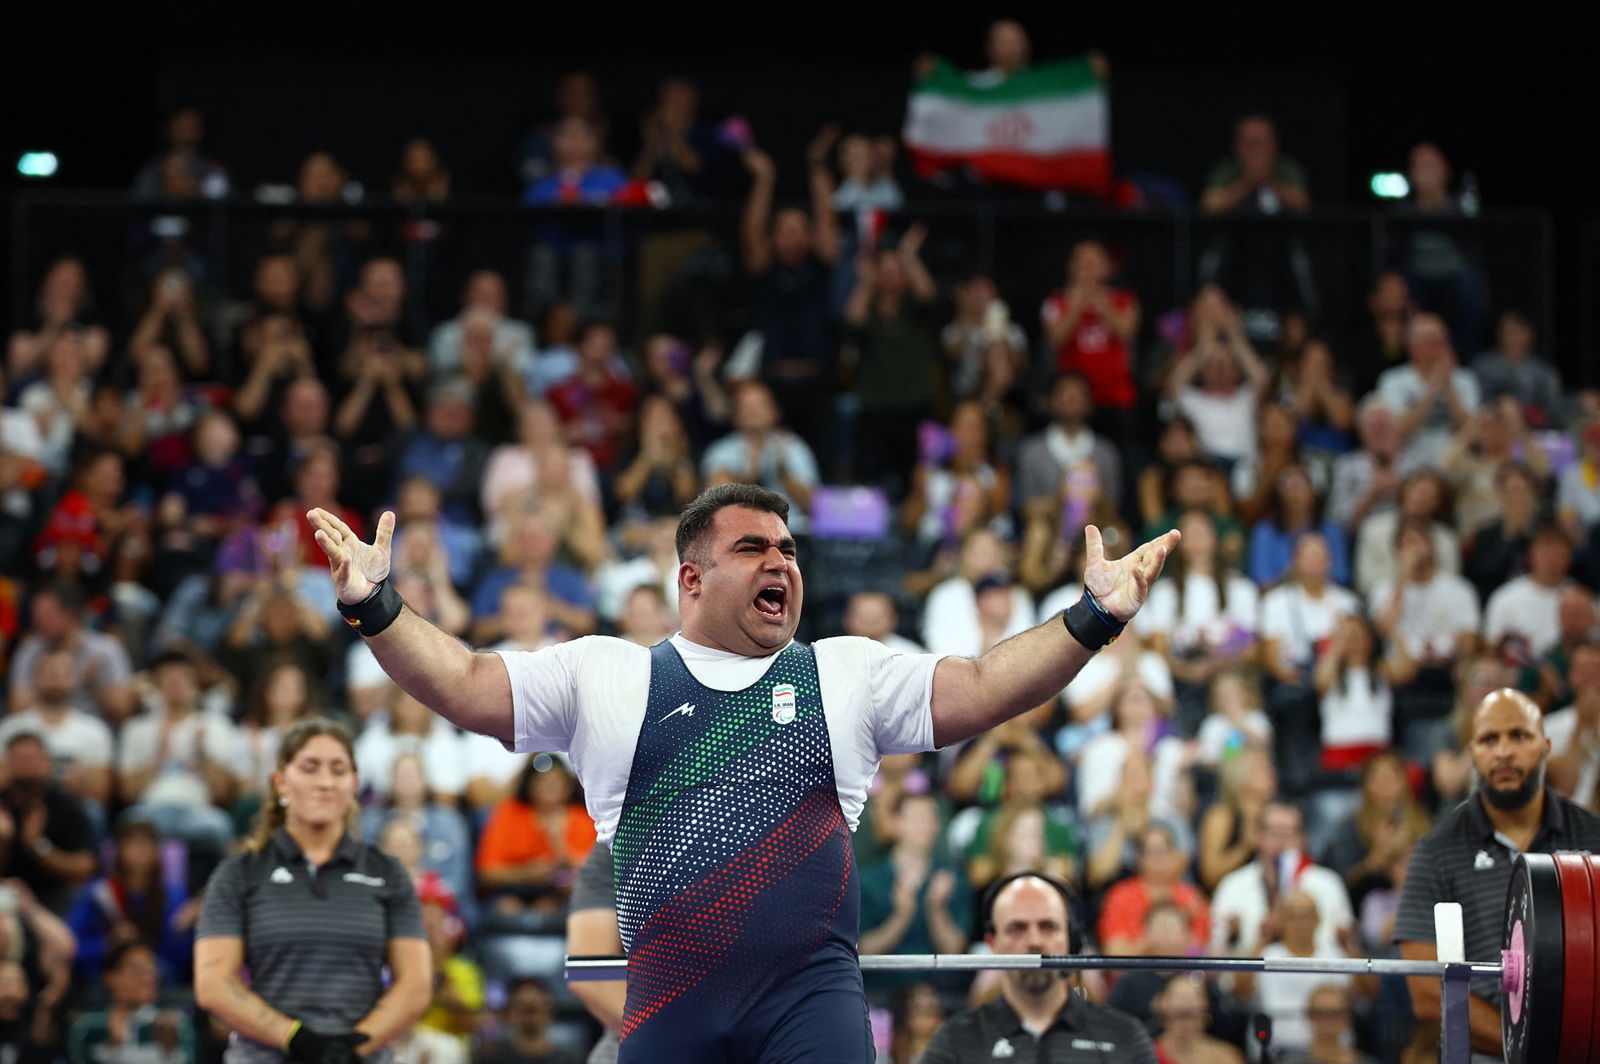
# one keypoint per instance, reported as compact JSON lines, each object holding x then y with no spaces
{"x":385,"y":536}
{"x":324,"y":521}
{"x":1093,"y":546}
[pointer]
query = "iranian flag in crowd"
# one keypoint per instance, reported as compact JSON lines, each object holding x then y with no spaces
{"x":1044,"y":127}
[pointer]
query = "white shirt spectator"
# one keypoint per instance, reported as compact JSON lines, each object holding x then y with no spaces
{"x":55,"y":420}
{"x":1432,"y":615}
{"x":1100,"y":774}
{"x":1402,"y":387}
{"x":440,"y":749}
{"x":76,"y":739}
{"x":1224,"y":423}
{"x":1298,"y":621}
{"x":950,"y":618}
{"x":513,"y":340}
{"x":1201,"y":620}
{"x":98,"y":659}
{"x":1524,"y":607}
{"x":1357,"y":711}
{"x":1559,"y":727}
{"x":1375,"y":558}
{"x":179,"y":781}
{"x":615,"y":580}
{"x":1286,"y":997}
{"x":1574,"y":493}
{"x":1243,"y":894}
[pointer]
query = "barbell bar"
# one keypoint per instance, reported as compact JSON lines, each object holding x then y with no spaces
{"x":1549,"y":963}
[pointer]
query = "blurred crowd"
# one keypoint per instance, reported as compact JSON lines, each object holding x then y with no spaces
{"x":1375,"y":534}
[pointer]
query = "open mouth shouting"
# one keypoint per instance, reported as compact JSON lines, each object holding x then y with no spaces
{"x":772,"y":603}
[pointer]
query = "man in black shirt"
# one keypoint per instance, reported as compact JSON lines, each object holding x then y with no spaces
{"x":46,"y":839}
{"x":1036,"y":1017}
{"x":1467,"y":857}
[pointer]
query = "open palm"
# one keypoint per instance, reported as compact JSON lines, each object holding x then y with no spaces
{"x":1122,"y":585}
{"x":357,"y":567}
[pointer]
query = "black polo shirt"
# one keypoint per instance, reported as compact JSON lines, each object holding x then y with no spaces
{"x":1464,"y":859}
{"x":316,"y":939}
{"x":1083,"y":1033}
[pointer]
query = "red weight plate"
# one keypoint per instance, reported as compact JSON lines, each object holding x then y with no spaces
{"x":1577,"y":993}
{"x":1594,"y":987}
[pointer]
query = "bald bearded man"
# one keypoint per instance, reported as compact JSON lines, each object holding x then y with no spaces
{"x":1467,"y":857}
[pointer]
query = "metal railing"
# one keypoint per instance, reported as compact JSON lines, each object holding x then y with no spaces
{"x":1322,"y":261}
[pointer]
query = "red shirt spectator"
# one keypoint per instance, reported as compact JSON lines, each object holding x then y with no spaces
{"x":1092,"y":325}
{"x":1159,"y":878}
{"x":596,"y":405}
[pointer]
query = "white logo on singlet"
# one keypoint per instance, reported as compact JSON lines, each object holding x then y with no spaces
{"x":687,"y":709}
{"x":282,"y":875}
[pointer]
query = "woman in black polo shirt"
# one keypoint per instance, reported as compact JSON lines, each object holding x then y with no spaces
{"x":315,"y":914}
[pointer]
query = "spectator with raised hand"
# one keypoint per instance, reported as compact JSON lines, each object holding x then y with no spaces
{"x":1364,"y":846}
{"x":1574,"y":730}
{"x":78,"y":743}
{"x":534,"y":840}
{"x":64,"y":305}
{"x":1245,"y":911}
{"x":1292,"y":513}
{"x":914,"y":899}
{"x":759,"y":451}
{"x":58,"y":398}
{"x":171,"y":319}
{"x":1293,"y":931}
{"x":324,"y":252}
{"x":511,"y":485}
{"x":790,"y":255}
{"x":981,"y":321}
{"x":1202,"y":619}
{"x":102,"y":673}
{"x":1256,"y":178}
{"x":1522,"y":618}
{"x":953,"y":617}
{"x":1513,"y":369}
{"x":660,"y":478}
{"x":277,"y":355}
{"x":889,"y":317}
{"x":1023,"y":835}
{"x":678,"y":149}
{"x":1495,"y":436}
{"x":1423,"y":497}
{"x":1139,"y":726}
{"x":138,"y":899}
{"x":1431,"y":394}
{"x":512,"y":340}
{"x":1234,"y":721}
{"x":577,"y":94}
{"x":1046,"y":461}
{"x":956,"y":486}
{"x":159,"y":412}
{"x":529,"y":556}
{"x":381,"y":304}
{"x":1323,"y":406}
{"x":597,"y":404}
{"x":1435,"y":616}
{"x":1158,"y":880}
{"x":1355,"y":678}
{"x":689,"y":380}
{"x":1229,"y":826}
{"x":1050,"y":562}
{"x":46,"y":840}
{"x":446,"y":449}
{"x":1092,"y":327}
{"x":179,"y":765}
{"x":1254,"y":479}
{"x":405,"y":726}
{"x":1218,"y":383}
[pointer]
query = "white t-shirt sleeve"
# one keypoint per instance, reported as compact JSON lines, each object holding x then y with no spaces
{"x":544,"y":705}
{"x":900,"y":694}
{"x":1464,"y":605}
{"x":136,"y":752}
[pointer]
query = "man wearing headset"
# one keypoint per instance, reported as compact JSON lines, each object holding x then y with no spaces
{"x":1037,"y":1017}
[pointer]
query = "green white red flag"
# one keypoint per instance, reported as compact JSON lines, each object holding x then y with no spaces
{"x":1046,"y":127}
